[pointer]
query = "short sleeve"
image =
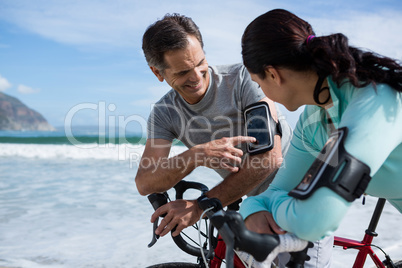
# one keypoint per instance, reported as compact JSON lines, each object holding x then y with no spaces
{"x":250,"y":92}
{"x":158,"y":124}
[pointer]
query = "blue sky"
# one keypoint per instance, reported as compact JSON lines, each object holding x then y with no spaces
{"x":80,"y":61}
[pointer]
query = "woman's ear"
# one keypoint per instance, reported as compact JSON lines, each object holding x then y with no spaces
{"x":273,"y":74}
{"x":157,"y":73}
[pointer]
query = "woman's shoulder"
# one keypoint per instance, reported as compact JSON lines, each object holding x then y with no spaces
{"x":309,"y":129}
{"x":311,"y":116}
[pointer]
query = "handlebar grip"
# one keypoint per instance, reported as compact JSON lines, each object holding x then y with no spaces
{"x":246,"y":240}
{"x":266,"y":244}
{"x":157,"y":200}
{"x":183,"y":186}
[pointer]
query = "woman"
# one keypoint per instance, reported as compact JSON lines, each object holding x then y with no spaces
{"x":341,"y":86}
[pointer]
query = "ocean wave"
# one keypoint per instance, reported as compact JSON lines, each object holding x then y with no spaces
{"x":109,"y":151}
{"x":72,"y":140}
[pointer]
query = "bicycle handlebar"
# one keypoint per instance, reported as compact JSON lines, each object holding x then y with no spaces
{"x":230,"y":226}
{"x":159,"y":199}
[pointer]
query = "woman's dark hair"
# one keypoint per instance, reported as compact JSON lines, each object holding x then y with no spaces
{"x":279,"y":38}
{"x":169,"y":33}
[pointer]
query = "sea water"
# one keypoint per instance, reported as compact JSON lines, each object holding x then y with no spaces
{"x":76,"y":205}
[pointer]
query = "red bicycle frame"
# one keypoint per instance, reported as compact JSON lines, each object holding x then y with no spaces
{"x":364,"y":247}
{"x":219,"y":255}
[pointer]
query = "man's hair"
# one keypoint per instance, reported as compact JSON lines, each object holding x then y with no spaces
{"x":168,"y":33}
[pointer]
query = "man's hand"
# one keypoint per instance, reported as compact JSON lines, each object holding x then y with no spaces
{"x":221,"y":153}
{"x":158,"y":172}
{"x":262,"y":222}
{"x":182,"y":213}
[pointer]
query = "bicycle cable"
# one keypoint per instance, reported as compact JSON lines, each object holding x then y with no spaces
{"x":247,"y":265}
{"x":383,"y":252}
{"x":201,"y":249}
{"x":198,"y":229}
{"x":369,"y":245}
{"x":199,"y":235}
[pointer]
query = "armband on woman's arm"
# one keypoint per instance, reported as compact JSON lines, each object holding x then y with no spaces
{"x":335,"y":169}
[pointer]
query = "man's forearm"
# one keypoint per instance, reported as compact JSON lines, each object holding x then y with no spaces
{"x":158,"y":173}
{"x":162,"y":174}
{"x":254,"y":171}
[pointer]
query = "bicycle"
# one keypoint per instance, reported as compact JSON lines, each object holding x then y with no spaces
{"x":365,"y":247}
{"x":232,"y":234}
{"x":216,"y":252}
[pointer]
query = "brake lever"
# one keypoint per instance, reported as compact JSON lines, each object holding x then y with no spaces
{"x":156,"y":201}
{"x":298,"y":258}
{"x":155,"y":237}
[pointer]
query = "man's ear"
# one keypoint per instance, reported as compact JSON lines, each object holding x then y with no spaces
{"x":273,"y":74}
{"x":157,"y":73}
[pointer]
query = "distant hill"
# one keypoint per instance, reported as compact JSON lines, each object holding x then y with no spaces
{"x":14,"y":115}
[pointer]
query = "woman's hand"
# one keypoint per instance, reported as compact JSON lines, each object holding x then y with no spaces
{"x":262,"y":222}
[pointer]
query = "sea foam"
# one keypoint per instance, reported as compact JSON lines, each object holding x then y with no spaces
{"x":132,"y":152}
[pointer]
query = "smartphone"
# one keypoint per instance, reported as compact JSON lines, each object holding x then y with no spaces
{"x":258,"y":124}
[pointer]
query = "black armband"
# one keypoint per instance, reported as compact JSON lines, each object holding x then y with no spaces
{"x":335,"y":169}
{"x":260,"y":125}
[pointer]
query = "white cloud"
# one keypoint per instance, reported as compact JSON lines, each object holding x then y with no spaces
{"x":377,"y":31}
{"x":116,"y":23}
{"x":4,"y":84}
{"x":26,"y":90}
{"x":121,"y":23}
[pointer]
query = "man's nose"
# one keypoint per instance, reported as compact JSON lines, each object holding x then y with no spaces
{"x":195,"y":75}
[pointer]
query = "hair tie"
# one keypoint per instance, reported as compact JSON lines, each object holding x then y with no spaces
{"x":309,"y":38}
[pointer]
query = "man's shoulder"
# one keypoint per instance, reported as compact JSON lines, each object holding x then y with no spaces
{"x":228,"y":68}
{"x":166,"y":104}
{"x":168,"y":97}
{"x":232,"y":73}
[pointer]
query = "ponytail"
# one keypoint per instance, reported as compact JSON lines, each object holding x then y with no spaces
{"x":332,"y":55}
{"x":281,"y":39}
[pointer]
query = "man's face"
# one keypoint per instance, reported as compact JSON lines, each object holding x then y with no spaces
{"x":187,"y":71}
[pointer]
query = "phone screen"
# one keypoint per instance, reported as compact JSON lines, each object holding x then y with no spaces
{"x":257,"y":125}
{"x":325,"y":158}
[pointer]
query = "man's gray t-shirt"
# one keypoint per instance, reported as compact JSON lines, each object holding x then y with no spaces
{"x":218,"y":114}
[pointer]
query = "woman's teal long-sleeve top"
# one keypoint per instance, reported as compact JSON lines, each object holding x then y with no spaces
{"x":374,"y":119}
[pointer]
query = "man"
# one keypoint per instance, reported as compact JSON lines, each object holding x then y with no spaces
{"x":204,"y":111}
